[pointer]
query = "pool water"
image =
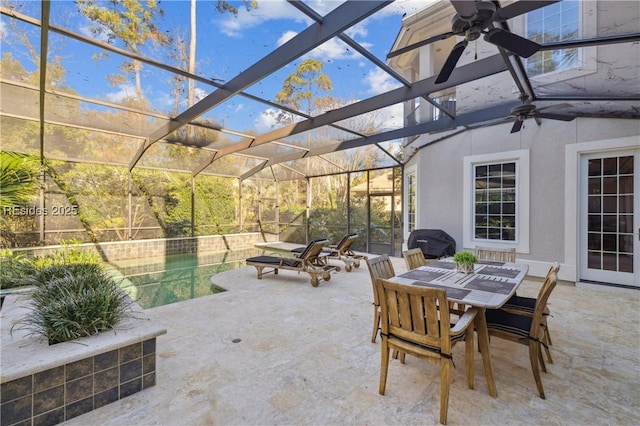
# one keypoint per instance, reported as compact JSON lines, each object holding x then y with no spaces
{"x":169,"y":279}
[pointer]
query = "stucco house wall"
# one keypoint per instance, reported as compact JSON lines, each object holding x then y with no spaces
{"x":553,"y":148}
{"x":440,"y":175}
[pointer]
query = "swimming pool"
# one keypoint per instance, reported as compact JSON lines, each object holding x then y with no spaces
{"x":169,"y":279}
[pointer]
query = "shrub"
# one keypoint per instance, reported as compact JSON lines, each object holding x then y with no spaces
{"x":465,"y":257}
{"x":78,"y":302}
{"x":14,"y":267}
{"x":73,"y":295}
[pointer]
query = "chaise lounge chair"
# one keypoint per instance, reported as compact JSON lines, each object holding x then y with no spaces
{"x":307,"y":262}
{"x":341,"y":251}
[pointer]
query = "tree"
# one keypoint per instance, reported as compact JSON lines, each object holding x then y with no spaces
{"x":222,"y":6}
{"x":131,"y":21}
{"x":18,"y":179}
{"x":301,"y":90}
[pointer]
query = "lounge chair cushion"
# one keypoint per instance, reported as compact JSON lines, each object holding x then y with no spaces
{"x":274,"y":260}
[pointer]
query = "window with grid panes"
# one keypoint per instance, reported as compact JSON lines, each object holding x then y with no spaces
{"x":411,"y":207}
{"x":495,"y":201}
{"x":556,"y":22}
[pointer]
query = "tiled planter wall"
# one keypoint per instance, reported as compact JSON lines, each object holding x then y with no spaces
{"x":60,"y":393}
{"x":42,"y":384}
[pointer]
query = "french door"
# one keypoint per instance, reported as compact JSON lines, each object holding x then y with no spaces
{"x":610,"y":218}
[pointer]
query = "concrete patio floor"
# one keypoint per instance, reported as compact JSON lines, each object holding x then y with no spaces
{"x":279,"y":351}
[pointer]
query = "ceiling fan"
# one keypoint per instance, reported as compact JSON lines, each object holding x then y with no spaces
{"x":529,"y":110}
{"x":474,"y":18}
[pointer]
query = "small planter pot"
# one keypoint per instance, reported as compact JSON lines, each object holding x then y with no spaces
{"x":465,"y":268}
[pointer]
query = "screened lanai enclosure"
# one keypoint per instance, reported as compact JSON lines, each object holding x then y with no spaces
{"x":104,"y":159}
{"x":127,"y":120}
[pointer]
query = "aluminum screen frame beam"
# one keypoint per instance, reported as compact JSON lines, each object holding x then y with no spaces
{"x":336,"y":21}
{"x":364,"y":52}
{"x":464,"y":74}
{"x":492,"y":113}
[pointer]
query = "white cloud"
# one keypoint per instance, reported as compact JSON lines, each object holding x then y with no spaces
{"x":103,"y":36}
{"x":391,"y":117}
{"x":332,"y":49}
{"x":266,"y":121}
{"x":286,"y":36}
{"x":280,"y":9}
{"x":236,"y":26}
{"x":404,"y":6}
{"x":380,"y":82}
{"x":199,"y":94}
{"x":125,"y":91}
{"x":358,"y":30}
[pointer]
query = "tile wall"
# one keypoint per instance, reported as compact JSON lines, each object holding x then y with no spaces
{"x":52,"y":396}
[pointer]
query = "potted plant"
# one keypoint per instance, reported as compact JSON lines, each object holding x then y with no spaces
{"x":465,"y":261}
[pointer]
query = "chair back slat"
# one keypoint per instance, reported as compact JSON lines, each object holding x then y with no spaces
{"x":379,"y":267}
{"x":549,"y":284}
{"x":496,"y":254}
{"x":414,"y":313}
{"x":313,"y":250}
{"x":346,"y":242}
{"x":414,"y":258}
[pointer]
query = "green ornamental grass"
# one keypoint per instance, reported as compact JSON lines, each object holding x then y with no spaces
{"x":73,"y":297}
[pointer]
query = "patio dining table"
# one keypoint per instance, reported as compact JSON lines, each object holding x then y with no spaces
{"x":490,"y":285}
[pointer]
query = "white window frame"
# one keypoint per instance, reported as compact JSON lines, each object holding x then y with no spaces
{"x":411,"y":171}
{"x":523,"y":176}
{"x":587,"y":56}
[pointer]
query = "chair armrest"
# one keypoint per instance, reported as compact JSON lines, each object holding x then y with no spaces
{"x":465,"y":320}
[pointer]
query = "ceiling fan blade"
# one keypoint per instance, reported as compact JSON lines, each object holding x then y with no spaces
{"x":561,"y":117}
{"x":550,"y":107}
{"x":519,"y":8}
{"x":517,"y":125}
{"x":512,"y":42}
{"x":419,"y":44}
{"x":467,"y":10}
{"x":451,"y":62}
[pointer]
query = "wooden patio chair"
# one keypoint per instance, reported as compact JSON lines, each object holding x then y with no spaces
{"x":379,"y":267}
{"x":305,"y":262}
{"x":414,"y":258}
{"x":497,"y":255}
{"x":526,"y":306}
{"x":344,"y":252}
{"x":341,"y":251}
{"x":415,"y":321}
{"x":524,"y":329}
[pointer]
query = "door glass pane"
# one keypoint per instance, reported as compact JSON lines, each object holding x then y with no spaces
{"x":595,"y":186}
{"x":610,"y":204}
{"x":610,"y":166}
{"x":626,"y":263}
{"x":609,"y":262}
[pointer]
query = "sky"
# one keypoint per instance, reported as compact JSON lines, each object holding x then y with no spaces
{"x":227,"y":45}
